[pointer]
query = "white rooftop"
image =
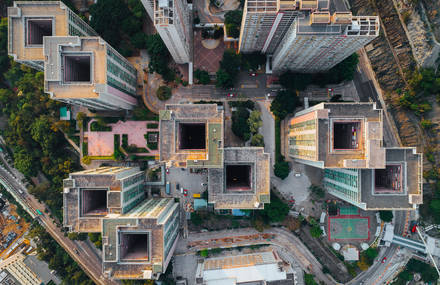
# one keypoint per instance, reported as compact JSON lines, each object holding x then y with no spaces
{"x":267,"y":272}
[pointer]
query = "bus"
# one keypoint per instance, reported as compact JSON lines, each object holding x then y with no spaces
{"x":168,"y":188}
{"x":39,"y":212}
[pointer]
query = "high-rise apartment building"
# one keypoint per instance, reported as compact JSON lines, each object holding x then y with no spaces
{"x":91,"y":195}
{"x":318,"y":41}
{"x":139,"y":234}
{"x":80,"y":68}
{"x":345,"y":139}
{"x":398,"y":186}
{"x":191,"y":136}
{"x":303,"y":35}
{"x":338,"y":135}
{"x":264,"y":24}
{"x":86,"y":71}
{"x":171,"y":19}
{"x":30,"y":21}
{"x":140,"y":243}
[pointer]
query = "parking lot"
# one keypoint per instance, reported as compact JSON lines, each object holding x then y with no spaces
{"x":190,"y":181}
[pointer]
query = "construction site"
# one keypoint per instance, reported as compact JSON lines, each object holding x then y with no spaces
{"x":12,"y":228}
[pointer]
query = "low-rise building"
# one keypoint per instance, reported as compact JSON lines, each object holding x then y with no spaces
{"x":264,"y":267}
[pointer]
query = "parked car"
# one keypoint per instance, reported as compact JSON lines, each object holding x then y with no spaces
{"x":384,"y":259}
{"x":177,"y":186}
{"x":230,"y":95}
{"x":185,"y":192}
{"x":252,"y":74}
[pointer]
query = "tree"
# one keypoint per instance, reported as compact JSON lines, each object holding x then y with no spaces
{"x":254,"y":121}
{"x":159,"y":56}
{"x":240,"y":127}
{"x":276,"y":211}
{"x":196,"y":219}
{"x":163,"y":93}
{"x":386,"y":216}
{"x":224,"y":80}
{"x":251,"y":61}
{"x":257,"y":140}
{"x":202,"y":76}
{"x":4,"y":59}
{"x":107,"y":19}
{"x":308,"y":279}
{"x":231,"y":62}
{"x":282,"y":169}
{"x":284,"y":103}
{"x":292,"y":223}
{"x":204,"y":253}
{"x":317,"y":191}
{"x":315,"y":231}
{"x":233,"y":23}
{"x":139,"y":40}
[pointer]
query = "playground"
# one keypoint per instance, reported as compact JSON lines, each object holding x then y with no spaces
{"x":348,"y":225}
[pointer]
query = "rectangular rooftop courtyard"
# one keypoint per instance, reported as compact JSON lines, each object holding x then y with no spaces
{"x":36,"y":29}
{"x":346,"y":135}
{"x":94,"y":202}
{"x":388,"y":180}
{"x":192,"y":136}
{"x":133,"y":246}
{"x":238,"y":178}
{"x":77,"y":68}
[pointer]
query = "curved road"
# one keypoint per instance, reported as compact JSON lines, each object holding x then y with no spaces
{"x":245,"y":237}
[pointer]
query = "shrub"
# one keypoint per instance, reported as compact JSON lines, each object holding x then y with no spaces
{"x":86,"y":160}
{"x":163,"y":93}
{"x":426,"y":124}
{"x":240,"y":126}
{"x":99,"y":126}
{"x":257,"y":140}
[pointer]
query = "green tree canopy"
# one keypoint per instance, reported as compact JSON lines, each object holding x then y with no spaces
{"x":257,"y":140}
{"x":276,"y":211}
{"x":202,"y":76}
{"x":233,"y":23}
{"x":282,"y":169}
{"x":254,"y":121}
{"x":386,"y":216}
{"x":315,"y":231}
{"x":284,"y":103}
{"x":163,"y":93}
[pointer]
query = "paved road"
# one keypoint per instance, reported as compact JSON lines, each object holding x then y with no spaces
{"x":282,"y":238}
{"x":86,"y":257}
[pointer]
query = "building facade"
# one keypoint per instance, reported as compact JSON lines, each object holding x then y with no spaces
{"x":86,"y":71}
{"x":306,"y":36}
{"x":15,"y":269}
{"x":319,"y":41}
{"x":345,"y":140}
{"x":172,"y":22}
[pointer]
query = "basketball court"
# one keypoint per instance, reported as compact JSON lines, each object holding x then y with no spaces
{"x":346,"y":228}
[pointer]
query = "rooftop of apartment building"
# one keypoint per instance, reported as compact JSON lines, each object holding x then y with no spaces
{"x":265,"y":266}
{"x":30,"y":21}
{"x":338,"y":135}
{"x":133,"y":243}
{"x":398,"y":185}
{"x":244,"y":180}
{"x":191,"y":135}
{"x":91,"y":195}
{"x":79,"y":63}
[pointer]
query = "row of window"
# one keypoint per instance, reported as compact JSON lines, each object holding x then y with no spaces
{"x":113,"y":55}
{"x":170,"y":237}
{"x":133,"y":204}
{"x":130,"y":194}
{"x":132,"y":180}
{"x":302,"y":153}
{"x":346,"y":192}
{"x":81,"y":24}
{"x":342,"y":177}
{"x":119,"y":72}
{"x":294,"y":141}
{"x":75,"y":32}
{"x":120,"y":86}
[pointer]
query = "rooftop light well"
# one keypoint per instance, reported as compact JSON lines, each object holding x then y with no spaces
{"x":346,"y":135}
{"x":36,"y":29}
{"x":134,"y":246}
{"x":238,"y":178}
{"x":388,"y":180}
{"x":94,"y":202}
{"x":77,"y":68}
{"x":191,"y":136}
